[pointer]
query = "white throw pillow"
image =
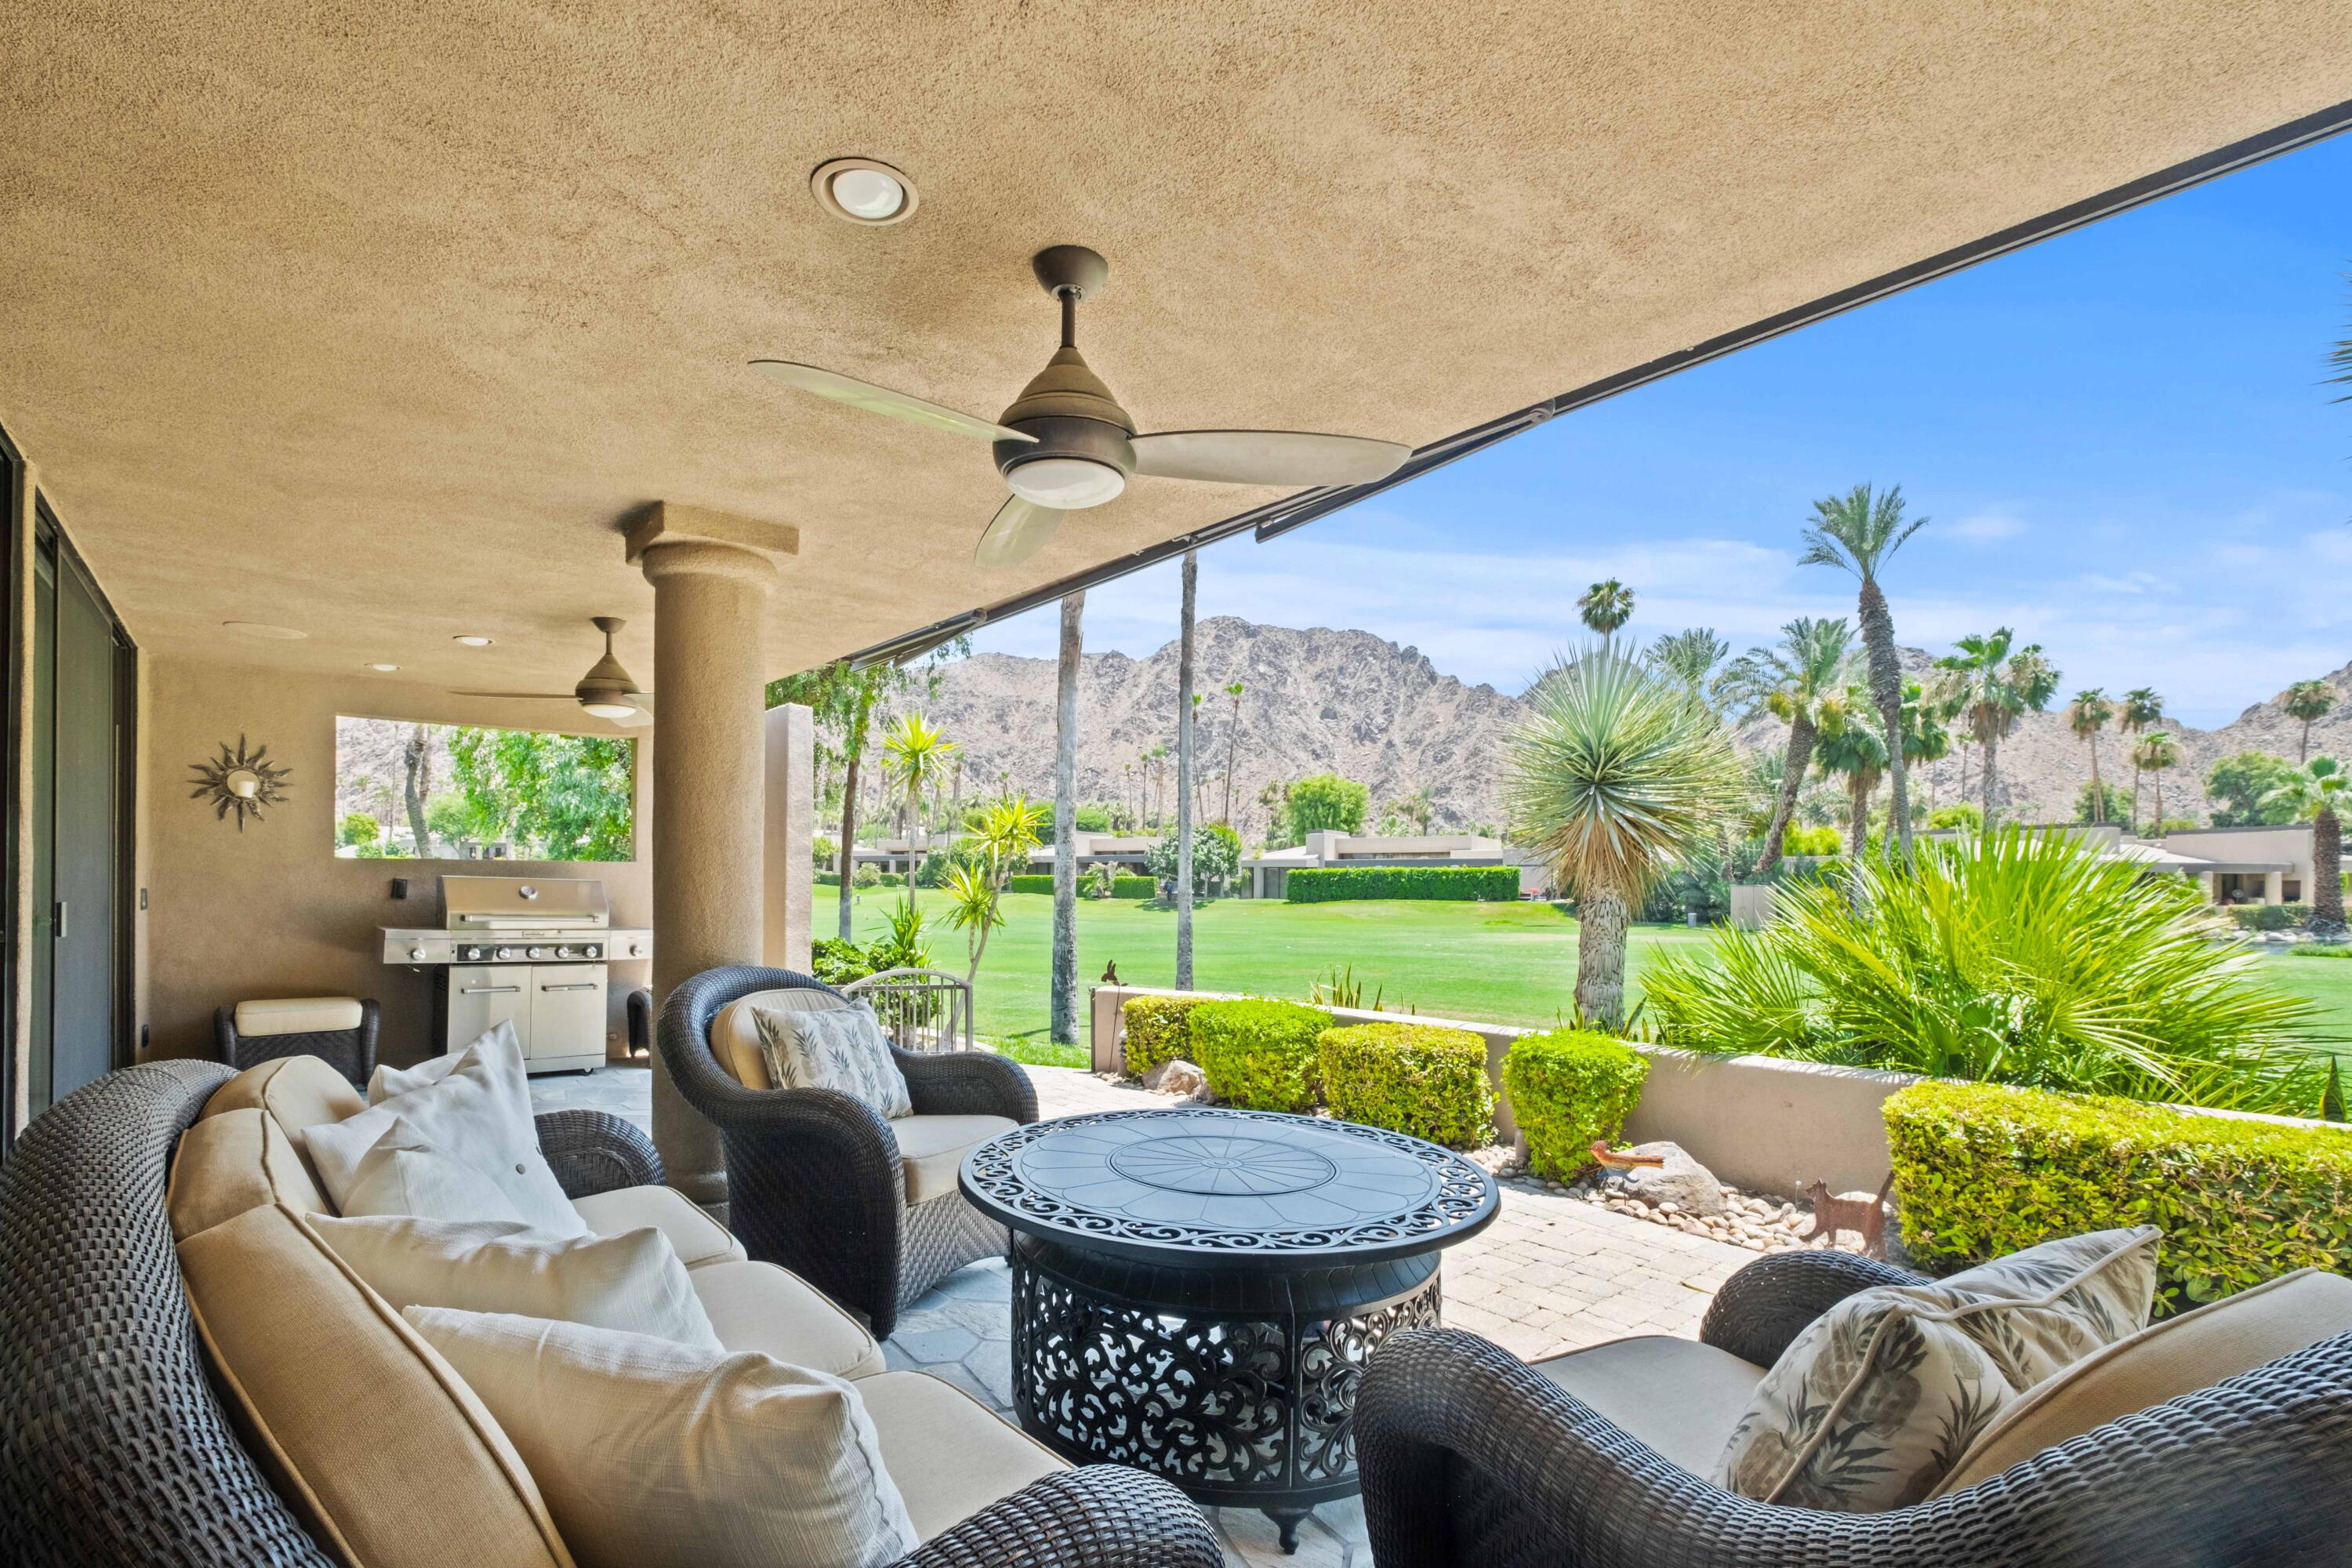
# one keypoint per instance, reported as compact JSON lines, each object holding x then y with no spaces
{"x":1873,"y":1404}
{"x":387,"y":1081}
{"x":651,"y":1455}
{"x":479,"y":1112}
{"x":840,"y":1048}
{"x":406,"y":1174}
{"x":632,"y":1281}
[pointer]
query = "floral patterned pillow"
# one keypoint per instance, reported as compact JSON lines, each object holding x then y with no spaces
{"x":833,"y":1048}
{"x":1873,"y":1404}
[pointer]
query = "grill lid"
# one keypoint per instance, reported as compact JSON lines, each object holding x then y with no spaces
{"x":519,"y":903}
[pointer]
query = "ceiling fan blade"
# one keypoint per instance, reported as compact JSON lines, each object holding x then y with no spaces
{"x":1018,"y":530}
{"x":643,"y":716}
{"x":523,"y":696}
{"x":882,"y":400}
{"x":1267,"y":457}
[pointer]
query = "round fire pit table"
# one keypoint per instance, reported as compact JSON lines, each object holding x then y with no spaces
{"x":1195,"y":1291}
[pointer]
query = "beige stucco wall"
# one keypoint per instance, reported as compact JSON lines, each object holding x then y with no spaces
{"x":271,"y":912}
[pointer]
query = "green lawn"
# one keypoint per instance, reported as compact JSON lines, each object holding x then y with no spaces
{"x":2326,"y":981}
{"x":1504,"y":964}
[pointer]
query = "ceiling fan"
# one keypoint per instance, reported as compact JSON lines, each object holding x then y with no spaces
{"x":1066,"y":444}
{"x":607,"y":690}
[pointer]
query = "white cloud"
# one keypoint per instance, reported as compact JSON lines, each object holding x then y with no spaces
{"x":1984,"y":527}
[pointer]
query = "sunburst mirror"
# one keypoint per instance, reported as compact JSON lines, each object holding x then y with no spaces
{"x":239,"y":781}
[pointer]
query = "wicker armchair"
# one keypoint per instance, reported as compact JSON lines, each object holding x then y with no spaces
{"x":351,"y":1052}
{"x":116,"y":1453}
{"x":1470,"y":1457}
{"x":813,"y":1178}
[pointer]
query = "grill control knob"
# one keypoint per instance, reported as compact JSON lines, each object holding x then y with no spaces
{"x":592,"y":951}
{"x":536,"y":952}
{"x":416,"y":953}
{"x":505,"y":952}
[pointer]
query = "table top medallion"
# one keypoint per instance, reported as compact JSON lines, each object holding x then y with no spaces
{"x":1217,"y":1185}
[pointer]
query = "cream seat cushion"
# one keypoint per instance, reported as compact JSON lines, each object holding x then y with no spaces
{"x":932,"y":1148}
{"x":735,"y":1038}
{"x":2163,"y":1360}
{"x":296,"y":1016}
{"x":950,"y":1455}
{"x":228,"y":1163}
{"x":1679,"y":1396}
{"x":295,"y":1092}
{"x":657,"y":1456}
{"x":387,"y":1449}
{"x":694,"y":1236}
{"x":759,"y":1306}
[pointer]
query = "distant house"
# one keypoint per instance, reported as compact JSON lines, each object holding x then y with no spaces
{"x":1128,"y":852}
{"x":2233,"y":865}
{"x":900,"y":855}
{"x":1269,"y":873}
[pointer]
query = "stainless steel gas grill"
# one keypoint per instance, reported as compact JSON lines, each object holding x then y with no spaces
{"x":528,"y":951}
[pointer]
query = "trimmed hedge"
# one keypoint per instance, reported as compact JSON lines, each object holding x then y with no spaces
{"x":1121,"y":887}
{"x":1469,"y":884}
{"x":1570,"y":1089}
{"x":1159,"y":1030}
{"x":1421,"y":1079}
{"x":1982,"y":1170}
{"x":2270,"y":917}
{"x":1259,"y":1053}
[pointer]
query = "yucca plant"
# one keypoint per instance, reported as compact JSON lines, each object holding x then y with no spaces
{"x":1617,"y":776}
{"x":2010,"y":956}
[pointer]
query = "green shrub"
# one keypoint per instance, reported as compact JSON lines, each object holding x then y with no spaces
{"x":1420,"y":1078}
{"x":838,"y":962}
{"x":2270,"y":917}
{"x":1569,"y":1090}
{"x":1121,"y":887}
{"x":1944,"y":818}
{"x":866,"y":875}
{"x":1159,"y":1030}
{"x":1798,"y":839}
{"x":1133,"y":888}
{"x":1981,"y":1170}
{"x":1331,"y":884}
{"x":1259,"y":1053}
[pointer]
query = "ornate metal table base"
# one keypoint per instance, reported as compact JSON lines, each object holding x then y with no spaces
{"x":1245,"y":1395}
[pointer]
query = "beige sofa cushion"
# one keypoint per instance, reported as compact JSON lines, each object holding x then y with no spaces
{"x":1679,"y":1396}
{"x":695,"y":1236}
{"x":228,"y":1163}
{"x":950,"y":1455}
{"x":735,"y":1038}
{"x":759,"y":1306}
{"x":295,"y":1092}
{"x":395,"y":1460}
{"x":296,"y":1016}
{"x":932,"y":1149}
{"x":2163,"y":1360}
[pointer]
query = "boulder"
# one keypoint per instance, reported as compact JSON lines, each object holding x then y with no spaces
{"x":1681,"y":1181}
{"x":1177,"y":1077}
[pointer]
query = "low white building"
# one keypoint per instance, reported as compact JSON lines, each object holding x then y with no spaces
{"x":2233,"y":865}
{"x":1130,"y":852}
{"x":1268,"y":874}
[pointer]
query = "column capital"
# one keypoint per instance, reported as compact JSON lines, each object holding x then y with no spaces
{"x":664,"y":526}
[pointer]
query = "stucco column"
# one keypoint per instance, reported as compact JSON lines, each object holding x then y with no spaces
{"x":710,"y":760}
{"x":2273,"y":892}
{"x":788,"y":877}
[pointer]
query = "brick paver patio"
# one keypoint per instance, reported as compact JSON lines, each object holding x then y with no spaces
{"x":1551,"y":1274}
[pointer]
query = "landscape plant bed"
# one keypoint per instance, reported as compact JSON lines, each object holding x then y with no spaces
{"x":1758,"y":1223}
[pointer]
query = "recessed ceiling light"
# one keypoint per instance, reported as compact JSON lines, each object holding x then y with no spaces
{"x":262,"y":629}
{"x":863,"y":190}
{"x":383,"y":669}
{"x":473,"y":640}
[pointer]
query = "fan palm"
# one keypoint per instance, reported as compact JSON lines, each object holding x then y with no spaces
{"x":2155,"y":752}
{"x":1605,"y":606}
{"x":1690,"y":658}
{"x":1852,"y":747}
{"x":1789,"y":682}
{"x":1856,"y":532}
{"x":2142,"y":706}
{"x":2307,"y":700}
{"x":1995,"y":685}
{"x":2316,"y":792}
{"x":1615,"y":777}
{"x":2086,"y":715}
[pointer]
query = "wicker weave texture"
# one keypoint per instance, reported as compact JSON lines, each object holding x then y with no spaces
{"x":351,"y":1052}
{"x":597,"y":1152}
{"x":1104,"y":1516}
{"x":1470,"y":1458}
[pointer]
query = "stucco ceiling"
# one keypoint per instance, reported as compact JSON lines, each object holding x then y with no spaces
{"x":377,"y":321}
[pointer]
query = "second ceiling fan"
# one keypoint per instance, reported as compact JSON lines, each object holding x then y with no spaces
{"x":1066,"y":444}
{"x":607,"y":691}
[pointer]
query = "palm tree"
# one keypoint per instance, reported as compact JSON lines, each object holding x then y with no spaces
{"x":1605,"y":606}
{"x":915,"y":756}
{"x":1003,"y":832}
{"x":1690,"y":658}
{"x":1850,"y":745}
{"x":1925,"y":738}
{"x":2307,"y":700}
{"x":1856,"y":532}
{"x":2155,"y":753}
{"x":1186,"y":701}
{"x":2142,"y":708}
{"x":1615,"y":777}
{"x":2086,"y":715}
{"x":1789,"y":682}
{"x":1995,"y":686}
{"x":1064,"y":1018}
{"x":1233,"y":739}
{"x":2316,"y":791}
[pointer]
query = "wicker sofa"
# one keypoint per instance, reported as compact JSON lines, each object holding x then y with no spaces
{"x":116,"y":1447}
{"x":866,"y":1209}
{"x":1471,"y":1457}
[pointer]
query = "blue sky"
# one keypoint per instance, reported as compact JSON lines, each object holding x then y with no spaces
{"x":2122,"y":438}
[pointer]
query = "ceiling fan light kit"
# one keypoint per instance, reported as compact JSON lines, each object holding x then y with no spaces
{"x":606,"y":691}
{"x":1066,"y":444}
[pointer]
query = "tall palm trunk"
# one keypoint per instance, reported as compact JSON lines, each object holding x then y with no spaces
{"x":2328,"y":876}
{"x":1799,"y":757}
{"x":2098,"y":791}
{"x":1184,"y":777}
{"x":1857,"y":833}
{"x":1992,"y":772}
{"x":418,"y":756}
{"x":1233,"y":742}
{"x":855,"y":748}
{"x":1065,"y":1019}
{"x":2134,"y":821}
{"x":1886,"y":691}
{"x":1600,"y":918}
